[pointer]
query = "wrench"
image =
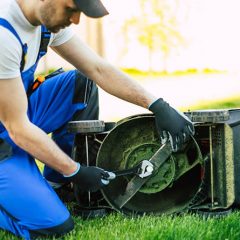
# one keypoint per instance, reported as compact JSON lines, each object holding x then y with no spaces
{"x":142,"y":169}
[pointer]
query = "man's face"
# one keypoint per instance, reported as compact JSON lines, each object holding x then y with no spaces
{"x":58,"y":14}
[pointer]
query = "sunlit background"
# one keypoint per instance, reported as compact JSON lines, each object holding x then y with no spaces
{"x":170,"y":36}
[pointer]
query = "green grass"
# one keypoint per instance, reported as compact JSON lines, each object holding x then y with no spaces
{"x":232,"y":102}
{"x":136,"y":73}
{"x":228,"y":103}
{"x":184,"y":227}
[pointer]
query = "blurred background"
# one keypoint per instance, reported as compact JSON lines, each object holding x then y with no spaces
{"x":186,"y":51}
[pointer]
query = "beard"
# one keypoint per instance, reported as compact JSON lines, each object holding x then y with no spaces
{"x":48,"y":17}
{"x":53,"y":29}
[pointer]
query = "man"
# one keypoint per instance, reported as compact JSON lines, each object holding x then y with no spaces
{"x":29,"y":206}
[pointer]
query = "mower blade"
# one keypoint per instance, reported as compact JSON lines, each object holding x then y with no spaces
{"x":136,"y":182}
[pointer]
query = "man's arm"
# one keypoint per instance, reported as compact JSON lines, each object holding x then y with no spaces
{"x":170,"y":123}
{"x":13,"y":115}
{"x":104,"y":74}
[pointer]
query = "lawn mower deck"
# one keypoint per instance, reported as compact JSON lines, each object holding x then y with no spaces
{"x":201,"y":177}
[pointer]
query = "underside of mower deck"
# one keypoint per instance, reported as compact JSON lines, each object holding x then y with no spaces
{"x":201,"y":177}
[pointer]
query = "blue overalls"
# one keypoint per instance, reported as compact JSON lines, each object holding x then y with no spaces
{"x":27,"y":202}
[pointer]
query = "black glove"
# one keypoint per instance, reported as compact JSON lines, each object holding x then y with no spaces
{"x":91,"y":178}
{"x":171,"y":124}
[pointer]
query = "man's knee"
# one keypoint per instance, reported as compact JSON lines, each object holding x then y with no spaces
{"x":86,"y":91}
{"x":55,"y":231}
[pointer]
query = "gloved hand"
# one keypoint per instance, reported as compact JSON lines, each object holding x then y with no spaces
{"x":171,"y":124}
{"x":91,"y":178}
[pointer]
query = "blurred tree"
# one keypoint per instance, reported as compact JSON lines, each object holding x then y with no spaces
{"x":157,"y":27}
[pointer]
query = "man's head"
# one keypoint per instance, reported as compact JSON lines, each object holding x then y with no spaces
{"x":58,"y":14}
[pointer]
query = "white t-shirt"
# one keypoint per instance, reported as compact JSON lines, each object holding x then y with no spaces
{"x":10,"y":48}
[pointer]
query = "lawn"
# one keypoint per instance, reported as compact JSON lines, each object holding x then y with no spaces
{"x":181,"y":227}
{"x":231,"y":102}
{"x":184,"y":227}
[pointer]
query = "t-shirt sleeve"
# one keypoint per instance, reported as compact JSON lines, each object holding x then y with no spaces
{"x":61,"y":37}
{"x":10,"y":55}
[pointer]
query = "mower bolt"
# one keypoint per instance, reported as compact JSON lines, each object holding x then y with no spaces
{"x":149,"y":169}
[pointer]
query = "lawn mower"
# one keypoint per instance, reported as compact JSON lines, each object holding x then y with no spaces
{"x":201,"y":177}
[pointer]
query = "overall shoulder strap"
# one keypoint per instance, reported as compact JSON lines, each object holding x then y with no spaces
{"x":45,"y":38}
{"x":7,"y":25}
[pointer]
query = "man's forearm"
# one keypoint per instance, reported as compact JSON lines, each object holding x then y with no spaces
{"x":122,"y":86}
{"x":36,"y":142}
{"x":108,"y":77}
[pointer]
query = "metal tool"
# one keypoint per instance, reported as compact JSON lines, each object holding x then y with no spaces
{"x":136,"y":183}
{"x":143,"y":169}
